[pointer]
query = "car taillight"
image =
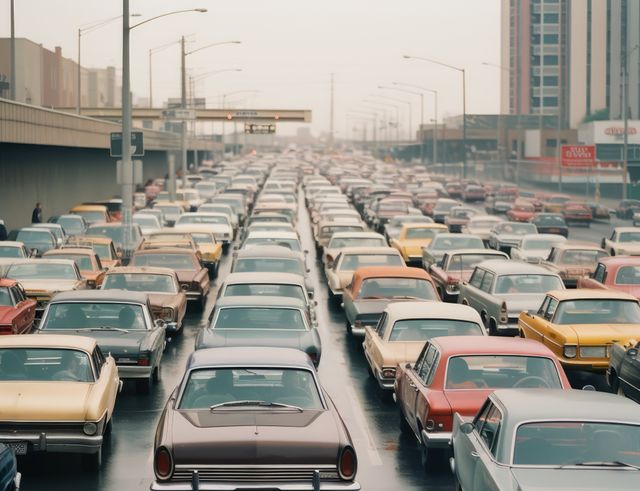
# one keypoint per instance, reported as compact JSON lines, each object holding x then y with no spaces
{"x":163,"y":464}
{"x":347,"y":464}
{"x":144,"y":360}
{"x":6,"y":329}
{"x":504,"y":316}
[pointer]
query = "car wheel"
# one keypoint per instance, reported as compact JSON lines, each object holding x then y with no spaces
{"x":143,"y":385}
{"x":405,"y":429}
{"x":202,"y":303}
{"x":108,"y":431}
{"x":428,"y":458}
{"x":92,"y":462}
{"x":156,"y":374}
{"x":349,"y":327}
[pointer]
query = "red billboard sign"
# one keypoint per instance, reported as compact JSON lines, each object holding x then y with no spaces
{"x":578,"y":155}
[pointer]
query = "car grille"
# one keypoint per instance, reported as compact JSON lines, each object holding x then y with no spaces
{"x":594,"y":352}
{"x":255,"y":474}
{"x":38,"y":427}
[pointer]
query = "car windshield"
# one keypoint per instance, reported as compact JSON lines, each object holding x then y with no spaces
{"x":140,"y":282}
{"x":456,"y":242}
{"x":209,"y":219}
{"x":268,"y":219}
{"x":425,"y":329}
{"x":292,"y":244}
{"x":91,"y":216}
{"x":481,"y":223}
{"x":114,"y":233}
{"x":44,"y":365}
{"x":5,"y":297}
{"x":340,"y":242}
{"x":467,"y":262}
{"x":501,"y":372}
{"x":577,"y":443}
{"x":541,"y":243}
{"x":397,"y":288}
{"x":265,"y":388}
{"x":201,"y":238}
{"x":94,"y":315}
{"x":169,"y":209}
{"x":582,"y":257}
{"x":421,"y":233}
{"x":42,"y":271}
{"x":10,"y":251}
{"x":103,"y":251}
{"x":146,"y":220}
{"x":597,"y":311}
{"x":271,"y":318}
{"x":550,"y":221}
{"x":265,"y":289}
{"x":623,"y":237}
{"x":35,"y":238}
{"x":71,"y":225}
{"x":517,"y":228}
{"x":182,"y":262}
{"x":329,"y":230}
{"x":82,"y":261}
{"x":527,"y":283}
{"x":269,"y":265}
{"x":351,"y":262}
{"x":628,"y":275}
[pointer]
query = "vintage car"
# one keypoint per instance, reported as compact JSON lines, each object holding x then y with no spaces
{"x":272,"y":259}
{"x":115,"y":231}
{"x":600,"y":211}
{"x":481,"y":226}
{"x":208,"y":246}
{"x":224,"y":209}
{"x":627,"y":207}
{"x":499,"y":290}
{"x":623,"y":373}
{"x":170,"y":238}
{"x":521,"y":211}
{"x":405,"y":327}
{"x":454,"y":189}
{"x":58,"y":395}
{"x":217,"y":223}
{"x":37,"y":240}
{"x":442,"y":243}
{"x":394,"y":225}
{"x":147,"y":222}
{"x":442,"y":209}
{"x":573,"y":260}
{"x":252,"y":418}
{"x":548,"y":439}
{"x":193,"y":277}
{"x":555,"y":202}
{"x":621,"y":273}
{"x":551,"y":223}
{"x":56,"y":230}
{"x":624,"y":241}
{"x":534,"y":248}
{"x":458,"y":217}
{"x":473,"y":192}
{"x":506,"y":235}
{"x":17,"y":312}
{"x":455,"y":267}
{"x":413,"y":237}
{"x":341,"y":270}
{"x":113,"y":205}
{"x":580,"y":326}
{"x":13,"y":249}
{"x":91,"y":213}
{"x":168,"y":301}
{"x":121,"y":323}
{"x":103,"y":247}
{"x":290,"y":240}
{"x":41,"y":279}
{"x":340,"y":240}
{"x":87,"y":260}
{"x":264,"y":320}
{"x":383,"y":210}
{"x":325,"y":229}
{"x":577,"y":212}
{"x":454,"y":375}
{"x":373,"y":288}
{"x":171,"y":211}
{"x":73,"y":225}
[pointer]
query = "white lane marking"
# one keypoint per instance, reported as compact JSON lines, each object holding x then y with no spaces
{"x":361,"y":421}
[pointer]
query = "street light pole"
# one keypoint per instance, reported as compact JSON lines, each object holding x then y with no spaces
{"x":421,"y":95}
{"x":408,"y":103}
{"x":397,"y":108}
{"x":12,"y":89}
{"x":127,"y":163}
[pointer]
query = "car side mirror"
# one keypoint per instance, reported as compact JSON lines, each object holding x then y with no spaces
{"x":602,"y":244}
{"x":589,"y":387}
{"x":466,"y":428}
{"x":160,"y":323}
{"x":632,"y":352}
{"x":33,"y":253}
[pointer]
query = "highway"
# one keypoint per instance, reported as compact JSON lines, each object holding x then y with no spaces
{"x":387,"y":459}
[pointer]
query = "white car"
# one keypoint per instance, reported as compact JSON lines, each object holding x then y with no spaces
{"x":481,"y":225}
{"x":148,"y":223}
{"x":536,"y":247}
{"x":624,"y":241}
{"x":218,"y":223}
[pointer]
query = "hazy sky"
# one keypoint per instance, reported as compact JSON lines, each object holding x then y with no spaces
{"x":289,"y":48}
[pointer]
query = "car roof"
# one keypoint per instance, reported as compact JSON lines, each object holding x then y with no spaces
{"x":626,"y":229}
{"x":124,"y":296}
{"x":70,"y":250}
{"x":381,"y":250}
{"x":44,"y":260}
{"x":250,"y":356}
{"x":431,"y":310}
{"x":261,"y":278}
{"x":424,"y":225}
{"x":556,"y":404}
{"x":264,"y":301}
{"x":356,"y":234}
{"x":590,"y":293}
{"x":48,"y":341}
{"x":620,"y":261}
{"x":389,"y":272}
{"x":11,"y":243}
{"x":506,"y":266}
{"x":560,"y":238}
{"x":492,"y":252}
{"x":574,"y":244}
{"x":268,"y":251}
{"x":34,"y":229}
{"x":89,"y":208}
{"x":476,"y":345}
{"x":141,"y":270}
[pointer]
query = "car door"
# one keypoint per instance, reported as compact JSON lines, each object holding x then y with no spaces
{"x":417,"y":388}
{"x":25,"y":310}
{"x":406,"y":389}
{"x":485,"y":478}
{"x":468,"y":290}
{"x":485,"y":301}
{"x":530,"y":324}
{"x":630,"y":375}
{"x":373,"y":343}
{"x":106,"y":377}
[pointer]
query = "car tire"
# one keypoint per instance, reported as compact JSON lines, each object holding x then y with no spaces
{"x":202,"y":303}
{"x":156,"y":375}
{"x":92,"y":462}
{"x":405,"y":429}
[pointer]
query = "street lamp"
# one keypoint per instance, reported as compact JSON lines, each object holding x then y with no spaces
{"x":127,"y":163}
{"x":153,"y":51}
{"x":408,"y":103}
{"x":435,"y":116}
{"x":92,"y":26}
{"x":235,"y":131}
{"x":12,"y":81}
{"x":421,"y":95}
{"x":397,"y":108}
{"x":464,"y":104}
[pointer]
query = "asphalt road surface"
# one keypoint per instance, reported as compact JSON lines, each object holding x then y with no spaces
{"x":387,"y":460}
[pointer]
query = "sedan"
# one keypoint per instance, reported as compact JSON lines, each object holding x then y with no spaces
{"x":443,"y":243}
{"x":17,"y":312}
{"x":551,"y":223}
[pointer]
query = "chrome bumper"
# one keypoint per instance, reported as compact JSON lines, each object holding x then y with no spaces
{"x":440,"y":439}
{"x":357,"y":331}
{"x":59,"y":442}
{"x":385,"y":383}
{"x":508,"y":329}
{"x":272,"y":486}
{"x":193,"y":295}
{"x":134,"y":371}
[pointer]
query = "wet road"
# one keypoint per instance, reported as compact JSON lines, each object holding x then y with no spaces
{"x":387,"y":460}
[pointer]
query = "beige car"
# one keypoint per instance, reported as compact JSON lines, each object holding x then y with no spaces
{"x":349,"y":259}
{"x":87,"y":260}
{"x":404,"y":328}
{"x":573,"y":260}
{"x":325,"y":229}
{"x":623,"y":241}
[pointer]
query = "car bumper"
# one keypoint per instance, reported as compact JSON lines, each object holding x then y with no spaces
{"x":436,"y":439}
{"x":508,"y":329}
{"x":358,"y":331}
{"x":385,"y":383}
{"x":335,"y":293}
{"x":589,"y":366}
{"x":193,"y":295}
{"x":58,"y":442}
{"x":133,"y":371}
{"x":271,"y":486}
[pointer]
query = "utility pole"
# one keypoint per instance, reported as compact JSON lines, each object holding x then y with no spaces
{"x":183,"y":101}
{"x":13,"y":52}
{"x":625,"y":141}
{"x":127,"y":164}
{"x":331,"y":114}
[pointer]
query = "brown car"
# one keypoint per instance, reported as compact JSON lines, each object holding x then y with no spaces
{"x":168,"y":301}
{"x":193,"y":277}
{"x":573,"y":260}
{"x":252,"y":418}
{"x":103,"y":246}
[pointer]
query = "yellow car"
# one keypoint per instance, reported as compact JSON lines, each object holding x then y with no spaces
{"x":413,"y":237}
{"x":58,"y":394}
{"x":580,"y":326}
{"x":92,"y":213}
{"x":103,"y":247}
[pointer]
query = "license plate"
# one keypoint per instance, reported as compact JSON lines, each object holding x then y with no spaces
{"x":554,"y":230}
{"x":19,"y":448}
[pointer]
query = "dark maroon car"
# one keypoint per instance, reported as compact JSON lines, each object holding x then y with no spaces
{"x":254,"y":418}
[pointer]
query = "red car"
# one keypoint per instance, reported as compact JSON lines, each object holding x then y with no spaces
{"x":620,"y":273}
{"x":521,"y":212}
{"x":17,"y":312}
{"x":456,"y":374}
{"x":574,"y":211}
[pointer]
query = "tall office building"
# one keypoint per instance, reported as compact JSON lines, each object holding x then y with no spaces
{"x":554,"y":58}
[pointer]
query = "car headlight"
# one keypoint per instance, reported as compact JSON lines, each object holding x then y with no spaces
{"x":389,"y":373}
{"x":570,"y":351}
{"x":167,"y":314}
{"x":90,"y":428}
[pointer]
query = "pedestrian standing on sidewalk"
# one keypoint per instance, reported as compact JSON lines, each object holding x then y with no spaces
{"x":36,"y":215}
